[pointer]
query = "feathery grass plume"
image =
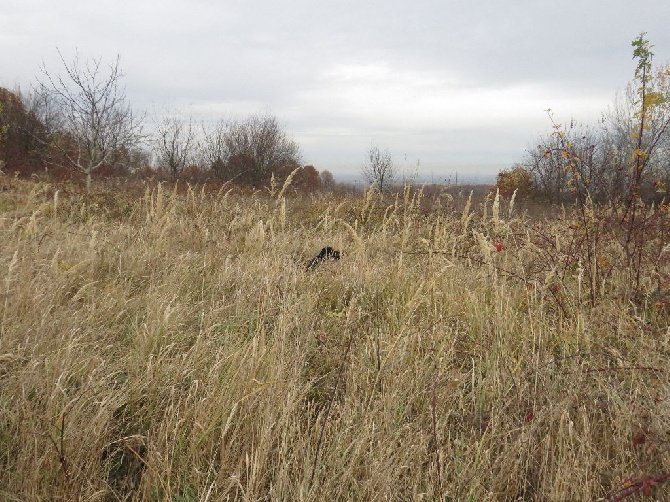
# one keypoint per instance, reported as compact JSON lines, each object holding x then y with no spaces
{"x":31,"y":228}
{"x":272,"y":188}
{"x":255,"y":238}
{"x":222,"y":189}
{"x":418,"y":197}
{"x":580,"y":280}
{"x":160,"y":200}
{"x":495,"y":209}
{"x":271,"y":231}
{"x":56,"y":193}
{"x":282,"y":213}
{"x":406,"y":196}
{"x":339,"y":207}
{"x":354,"y":235}
{"x":368,"y":203}
{"x":485,"y":248}
{"x":510,"y":210}
{"x":389,"y":218}
{"x":465,"y":217}
{"x":190,"y":196}
{"x":148,"y":202}
{"x":93,"y":242}
{"x":287,"y":183}
{"x":324,"y":221}
{"x":485,"y":206}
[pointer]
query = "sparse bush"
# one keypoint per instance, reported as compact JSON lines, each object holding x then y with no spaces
{"x":517,"y":179}
{"x":250,"y":151}
{"x":306,"y":179}
{"x":379,"y":169}
{"x":174,"y":144}
{"x":327,"y":180}
{"x":625,"y":153}
{"x":23,"y":137}
{"x":626,"y":220}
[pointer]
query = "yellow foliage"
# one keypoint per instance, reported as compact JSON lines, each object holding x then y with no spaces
{"x":653,"y":99}
{"x":516,"y":179}
{"x":639,"y":153}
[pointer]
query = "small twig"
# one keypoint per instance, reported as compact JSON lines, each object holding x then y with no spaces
{"x":620,"y":368}
{"x":60,"y":447}
{"x":39,"y":243}
{"x":642,"y":485}
{"x":594,"y":370}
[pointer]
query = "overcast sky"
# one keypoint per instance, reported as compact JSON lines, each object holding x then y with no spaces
{"x":455,"y":85}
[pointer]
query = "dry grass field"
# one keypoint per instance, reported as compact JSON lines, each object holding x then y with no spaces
{"x":171,"y":345}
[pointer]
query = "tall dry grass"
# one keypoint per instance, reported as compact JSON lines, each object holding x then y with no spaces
{"x":172,"y":346}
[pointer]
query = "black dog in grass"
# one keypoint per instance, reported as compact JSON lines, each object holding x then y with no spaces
{"x":326,"y":253}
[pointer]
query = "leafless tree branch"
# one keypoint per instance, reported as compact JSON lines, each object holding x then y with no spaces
{"x":379,"y":167}
{"x":96,"y":119}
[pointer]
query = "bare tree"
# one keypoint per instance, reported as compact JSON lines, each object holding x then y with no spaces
{"x":379,"y":167}
{"x":251,"y":150}
{"x":174,"y":144}
{"x":213,"y":152}
{"x":96,"y":118}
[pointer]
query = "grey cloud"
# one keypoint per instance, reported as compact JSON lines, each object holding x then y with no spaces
{"x":453,"y":83}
